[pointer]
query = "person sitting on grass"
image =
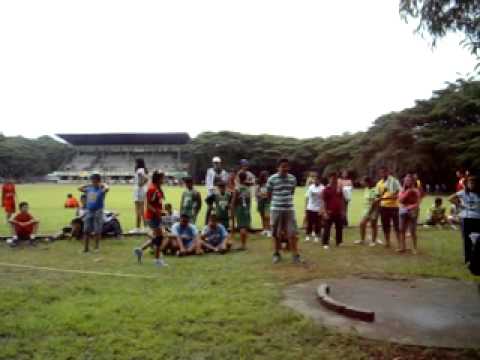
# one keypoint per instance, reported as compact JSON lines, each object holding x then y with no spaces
{"x":169,"y":217}
{"x":185,"y":235}
{"x":453,"y":218}
{"x":370,"y":212}
{"x":222,"y":201}
{"x":241,"y":204}
{"x":214,"y":237}
{"x":24,"y":226}
{"x":95,"y":202}
{"x":191,"y":201}
{"x":153,"y":217}
{"x":71,"y":202}
{"x":437,"y":215}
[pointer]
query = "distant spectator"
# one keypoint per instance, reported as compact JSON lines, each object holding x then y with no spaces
{"x":9,"y":197}
{"x":24,"y":226}
{"x":347,"y":187}
{"x":93,"y":220}
{"x":263,"y":202}
{"x":281,"y":189}
{"x":71,"y":202}
{"x":460,"y":181}
{"x":468,"y":203}
{"x":241,"y":204}
{"x":214,"y":176}
{"x":388,"y":188}
{"x":191,"y":201}
{"x":223,"y":200}
{"x":214,"y":237}
{"x":140,"y":181}
{"x":437,"y":214}
{"x":409,"y":200}
{"x":313,"y":209}
{"x":334,"y":213}
{"x":370,"y":212}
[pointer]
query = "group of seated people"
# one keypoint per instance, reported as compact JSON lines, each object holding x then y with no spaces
{"x":182,"y":238}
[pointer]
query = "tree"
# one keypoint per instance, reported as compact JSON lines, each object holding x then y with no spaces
{"x":439,"y":17}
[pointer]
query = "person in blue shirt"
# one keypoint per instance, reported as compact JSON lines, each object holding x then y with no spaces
{"x":185,"y":237}
{"x":214,"y":237}
{"x":95,"y":202}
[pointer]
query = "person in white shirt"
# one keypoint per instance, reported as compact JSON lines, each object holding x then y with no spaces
{"x":314,"y":208}
{"x":140,"y":181}
{"x":214,"y":176}
{"x":347,"y":187}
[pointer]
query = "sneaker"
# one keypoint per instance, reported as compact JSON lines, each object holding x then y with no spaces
{"x":138,"y":253}
{"x":160,"y":262}
{"x":11,"y":242}
{"x":316,"y":239}
{"x":326,"y":247}
{"x":134,"y":231}
{"x":372,"y":244}
{"x":296,"y":259}
{"x":307,"y":238}
{"x":453,"y":227}
{"x":269,"y":233}
{"x":276,"y":258}
{"x":379,"y":242}
{"x":359,"y":242}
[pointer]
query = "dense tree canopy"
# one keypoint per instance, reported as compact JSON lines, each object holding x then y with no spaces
{"x":30,"y":158}
{"x":434,"y":138}
{"x":438,"y":17}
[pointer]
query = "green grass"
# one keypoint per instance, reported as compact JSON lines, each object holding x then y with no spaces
{"x":210,"y":307}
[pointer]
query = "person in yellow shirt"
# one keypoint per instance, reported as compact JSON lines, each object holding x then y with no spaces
{"x":388,"y":188}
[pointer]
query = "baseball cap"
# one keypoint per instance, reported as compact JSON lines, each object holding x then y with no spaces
{"x":244,"y":162}
{"x":216,"y":159}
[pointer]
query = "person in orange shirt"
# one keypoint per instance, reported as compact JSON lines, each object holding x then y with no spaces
{"x":24,"y":226}
{"x":71,"y":202}
{"x":9,"y":197}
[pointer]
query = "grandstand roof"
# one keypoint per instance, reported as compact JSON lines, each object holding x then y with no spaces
{"x":127,"y":139}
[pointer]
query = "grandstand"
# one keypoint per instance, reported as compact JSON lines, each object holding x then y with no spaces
{"x":113,"y":155}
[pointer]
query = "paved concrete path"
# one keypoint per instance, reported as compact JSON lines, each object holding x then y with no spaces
{"x":426,"y":312}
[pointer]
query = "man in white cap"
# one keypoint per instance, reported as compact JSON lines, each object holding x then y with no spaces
{"x":215,"y":175}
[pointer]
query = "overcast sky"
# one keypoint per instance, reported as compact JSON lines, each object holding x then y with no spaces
{"x":300,"y":68}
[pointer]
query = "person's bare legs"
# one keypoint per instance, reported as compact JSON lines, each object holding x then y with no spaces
{"x":139,"y":220}
{"x":413,"y":232}
{"x":97,"y":241}
{"x":363,"y":230}
{"x":243,"y":237}
{"x":86,"y":242}
{"x":374,"y":227}
{"x":293,"y":244}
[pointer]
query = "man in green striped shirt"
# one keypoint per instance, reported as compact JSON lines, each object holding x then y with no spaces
{"x":281,"y":188}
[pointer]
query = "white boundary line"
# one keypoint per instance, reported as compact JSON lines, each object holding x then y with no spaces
{"x":73,"y":271}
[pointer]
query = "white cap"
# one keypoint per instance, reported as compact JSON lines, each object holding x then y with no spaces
{"x":216,"y":159}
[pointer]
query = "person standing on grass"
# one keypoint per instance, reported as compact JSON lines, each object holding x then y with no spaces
{"x":191,"y":201}
{"x":93,"y":220}
{"x":24,"y":226}
{"x":263,"y":202}
{"x":370,"y":212}
{"x":388,"y":188}
{"x":186,"y":240}
{"x":460,"y":185}
{"x":214,"y":237}
{"x":347,"y":187}
{"x":314,"y":209}
{"x":281,"y":189}
{"x":244,"y":167}
{"x":334,"y":213}
{"x":140,"y":181}
{"x":9,"y":197}
{"x":223,"y":200}
{"x":467,"y":201}
{"x":153,"y":217}
{"x":241,"y":203}
{"x":214,"y":176}
{"x":409,"y":200}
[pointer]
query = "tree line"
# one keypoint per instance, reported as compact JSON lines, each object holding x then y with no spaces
{"x":434,"y":138}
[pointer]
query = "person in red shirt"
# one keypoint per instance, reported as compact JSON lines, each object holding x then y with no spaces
{"x":153,"y":217}
{"x":334,"y":210}
{"x":71,"y":202}
{"x":9,"y":195}
{"x":24,"y":225}
{"x":461,"y":180}
{"x":409,"y":199}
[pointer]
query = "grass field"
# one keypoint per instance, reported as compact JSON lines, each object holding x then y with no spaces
{"x":210,"y":307}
